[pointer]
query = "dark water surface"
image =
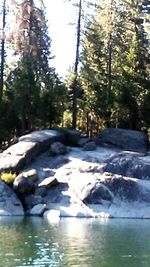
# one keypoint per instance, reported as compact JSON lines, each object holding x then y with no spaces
{"x":74,"y":242}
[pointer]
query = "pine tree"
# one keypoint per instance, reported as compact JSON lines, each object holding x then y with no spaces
{"x":97,"y":57}
{"x":115,"y":63}
{"x":134,"y":75}
{"x":29,"y":36}
{"x":33,"y":78}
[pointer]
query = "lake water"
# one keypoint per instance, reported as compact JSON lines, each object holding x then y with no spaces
{"x":74,"y":243}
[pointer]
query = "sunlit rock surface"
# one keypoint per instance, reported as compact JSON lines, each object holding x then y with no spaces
{"x":27,"y":149}
{"x":104,"y":182}
{"x":87,"y":190}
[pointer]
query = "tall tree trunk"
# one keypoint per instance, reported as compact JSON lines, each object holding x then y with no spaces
{"x":74,"y":84}
{"x":2,"y":49}
{"x":31,"y":26}
{"x":109,"y":66}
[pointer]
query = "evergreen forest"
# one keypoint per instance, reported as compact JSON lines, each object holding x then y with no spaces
{"x":107,"y":86}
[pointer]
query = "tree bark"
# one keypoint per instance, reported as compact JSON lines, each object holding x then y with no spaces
{"x":2,"y":50}
{"x":74,"y":84}
{"x":109,"y":66}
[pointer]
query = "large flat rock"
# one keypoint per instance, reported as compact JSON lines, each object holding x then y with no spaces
{"x":125,"y":139}
{"x":27,"y":149}
{"x":17,"y":156}
{"x":20,"y":149}
{"x":11,"y":163}
{"x":43,"y":136}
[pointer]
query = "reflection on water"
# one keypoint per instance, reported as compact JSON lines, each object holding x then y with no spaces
{"x":74,"y":243}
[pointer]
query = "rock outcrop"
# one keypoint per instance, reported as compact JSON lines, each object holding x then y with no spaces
{"x":108,"y":192}
{"x":129,"y":165}
{"x":27,"y":149}
{"x":10,"y":205}
{"x":87,"y":181}
{"x":125,"y":139}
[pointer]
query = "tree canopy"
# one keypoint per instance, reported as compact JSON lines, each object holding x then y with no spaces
{"x":109,"y":84}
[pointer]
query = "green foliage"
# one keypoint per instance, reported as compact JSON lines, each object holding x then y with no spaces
{"x":112,"y":88}
{"x":67,"y":118}
{"x":33,"y":89}
{"x":53,"y":99}
{"x":24,"y":93}
{"x":126,"y":99}
{"x":36,"y":104}
{"x":115,"y":70}
{"x":8,"y":177}
{"x":8,"y":121}
{"x":145,"y":110}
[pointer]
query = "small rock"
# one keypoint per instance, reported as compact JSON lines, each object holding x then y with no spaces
{"x":23,"y":185}
{"x":90,"y":146}
{"x":49,"y":182}
{"x":58,"y":148}
{"x":38,"y":210}
{"x":32,"y":174}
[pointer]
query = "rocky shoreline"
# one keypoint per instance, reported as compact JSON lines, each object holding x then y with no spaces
{"x":60,"y":174}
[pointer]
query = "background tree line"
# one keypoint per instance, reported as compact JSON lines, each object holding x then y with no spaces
{"x":109,"y":84}
{"x":115,"y":70}
{"x":32,"y":95}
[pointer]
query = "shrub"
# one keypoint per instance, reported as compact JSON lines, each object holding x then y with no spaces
{"x":8,"y":177}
